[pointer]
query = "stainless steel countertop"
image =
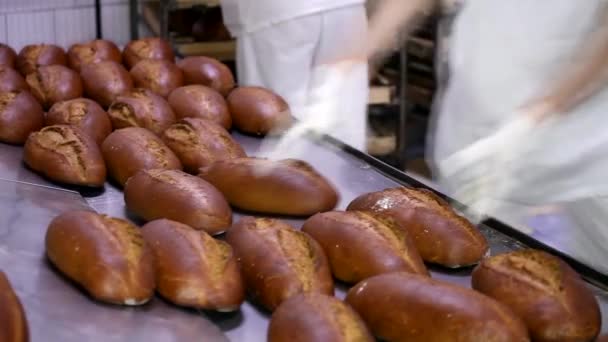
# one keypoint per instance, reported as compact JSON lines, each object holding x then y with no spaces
{"x":58,"y":311}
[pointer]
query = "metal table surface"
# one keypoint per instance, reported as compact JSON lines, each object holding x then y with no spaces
{"x":58,"y":311}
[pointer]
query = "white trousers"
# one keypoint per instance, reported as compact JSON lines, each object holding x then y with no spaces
{"x":318,"y":64}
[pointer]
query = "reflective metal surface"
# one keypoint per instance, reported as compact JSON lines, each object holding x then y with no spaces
{"x":59,"y":311}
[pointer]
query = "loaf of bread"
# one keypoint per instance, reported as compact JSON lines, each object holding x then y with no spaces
{"x":53,"y":83}
{"x":544,"y":291}
{"x":65,"y":154}
{"x":20,"y":115}
{"x":13,"y":322}
{"x":285,"y":187}
{"x":31,"y":57}
{"x":200,"y":143}
{"x":159,"y":75}
{"x":441,"y":235}
{"x":141,"y":108}
{"x":313,"y":317}
{"x":258,"y":111}
{"x":8,"y":56}
{"x":277,"y":261}
{"x":178,"y":196}
{"x":360,"y":245}
{"x":94,"y":51}
{"x":105,"y":80}
{"x":11,"y":80}
{"x":197,"y":101}
{"x":129,"y":150}
{"x":207,"y":71}
{"x":146,"y":48}
{"x":409,"y":307}
{"x":83,"y":113}
{"x":192,"y":268}
{"x":107,"y":256}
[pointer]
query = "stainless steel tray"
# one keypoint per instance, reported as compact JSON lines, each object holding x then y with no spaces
{"x":58,"y":311}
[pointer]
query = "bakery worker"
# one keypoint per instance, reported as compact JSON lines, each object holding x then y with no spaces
{"x":537,"y":73}
{"x":310,"y":52}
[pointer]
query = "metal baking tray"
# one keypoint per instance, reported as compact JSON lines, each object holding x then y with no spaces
{"x":58,"y":310}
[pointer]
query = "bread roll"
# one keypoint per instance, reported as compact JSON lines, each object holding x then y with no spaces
{"x":209,"y":72}
{"x":13,"y":322}
{"x":160,"y":76}
{"x":31,"y":57}
{"x":94,"y":51}
{"x":132,"y":149}
{"x":410,"y":307}
{"x":11,"y":80}
{"x":360,"y":245}
{"x":20,"y":115}
{"x":257,"y":110}
{"x":199,"y":143}
{"x":313,"y":317}
{"x":178,"y":196}
{"x":277,"y":261}
{"x":544,"y":291}
{"x":83,"y":113}
{"x":441,"y":236}
{"x":65,"y":154}
{"x":192,"y":268}
{"x":53,"y":83}
{"x":107,"y":256}
{"x":141,"y":108}
{"x":286,"y":187}
{"x":201,"y":102}
{"x":8,"y":56}
{"x":603,"y":338}
{"x":146,"y":48}
{"x":105,"y":80}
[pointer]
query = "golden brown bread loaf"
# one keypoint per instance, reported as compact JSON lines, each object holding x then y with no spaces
{"x":544,"y":291}
{"x":199,"y":143}
{"x":207,"y":71}
{"x":132,"y":149}
{"x":603,"y":338}
{"x":31,"y":57}
{"x":285,"y":187}
{"x":440,"y":234}
{"x":409,"y":307}
{"x":257,"y":110}
{"x":20,"y":115}
{"x":192,"y":268}
{"x":105,"y":80}
{"x":8,"y":56}
{"x":146,"y":48}
{"x":313,"y":317}
{"x":65,"y":154}
{"x":141,"y":108}
{"x":94,"y":51}
{"x":13,"y":322}
{"x":83,"y":113}
{"x":359,"y":245}
{"x":107,"y":256}
{"x":160,"y":76}
{"x":11,"y":80}
{"x":54,"y":83}
{"x":197,"y":101}
{"x":178,"y":196}
{"x":277,"y":261}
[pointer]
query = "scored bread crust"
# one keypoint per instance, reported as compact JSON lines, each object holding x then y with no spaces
{"x":440,"y":234}
{"x":83,"y":113}
{"x":141,"y":108}
{"x":13,"y":321}
{"x":54,"y":83}
{"x":360,"y":245}
{"x":160,"y":76}
{"x":277,"y":261}
{"x":199,"y":101}
{"x":107,"y":256}
{"x":146,"y":48}
{"x":104,"y":81}
{"x":33,"y":56}
{"x":550,"y":297}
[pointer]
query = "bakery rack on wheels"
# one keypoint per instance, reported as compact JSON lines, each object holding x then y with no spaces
{"x":58,"y":310}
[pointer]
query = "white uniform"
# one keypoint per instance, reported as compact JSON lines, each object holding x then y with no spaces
{"x":292,"y":46}
{"x":504,"y":54}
